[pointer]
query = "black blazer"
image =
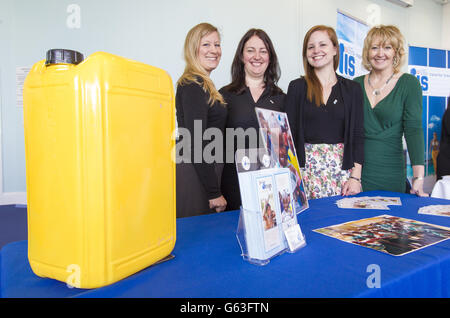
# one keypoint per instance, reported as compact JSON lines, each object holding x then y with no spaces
{"x":354,"y":119}
{"x":443,"y":158}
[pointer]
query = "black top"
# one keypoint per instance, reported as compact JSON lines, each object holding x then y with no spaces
{"x":241,"y":114}
{"x":352,"y":97}
{"x":241,"y":110}
{"x":192,"y":106}
{"x":443,"y":158}
{"x":325,"y":124}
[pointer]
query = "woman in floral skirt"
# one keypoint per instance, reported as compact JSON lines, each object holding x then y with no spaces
{"x":325,"y":113}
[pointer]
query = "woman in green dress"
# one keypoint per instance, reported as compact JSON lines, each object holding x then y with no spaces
{"x":392,"y":108}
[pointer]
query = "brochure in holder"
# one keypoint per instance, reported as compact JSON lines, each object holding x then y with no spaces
{"x":268,"y":223}
{"x":279,"y":144}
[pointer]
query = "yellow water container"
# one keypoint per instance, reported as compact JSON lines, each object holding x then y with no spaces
{"x":99,"y":173}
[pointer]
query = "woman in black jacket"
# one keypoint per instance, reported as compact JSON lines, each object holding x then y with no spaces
{"x":199,"y":107}
{"x":254,"y":76}
{"x":325,"y":113}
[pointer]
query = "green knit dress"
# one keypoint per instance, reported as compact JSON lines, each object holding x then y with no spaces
{"x":400,"y":112}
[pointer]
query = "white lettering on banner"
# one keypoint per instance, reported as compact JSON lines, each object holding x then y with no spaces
{"x":434,"y":80}
{"x":438,"y":79}
{"x":351,"y":34}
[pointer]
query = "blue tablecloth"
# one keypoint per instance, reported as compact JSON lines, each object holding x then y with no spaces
{"x":208,"y":263}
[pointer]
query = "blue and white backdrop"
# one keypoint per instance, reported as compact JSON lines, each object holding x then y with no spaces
{"x":432,"y":69}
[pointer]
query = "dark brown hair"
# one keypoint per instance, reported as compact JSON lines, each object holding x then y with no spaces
{"x":314,"y":88}
{"x":272,"y":74}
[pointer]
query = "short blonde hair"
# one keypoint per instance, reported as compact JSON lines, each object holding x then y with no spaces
{"x":193,"y":68}
{"x":387,"y":34}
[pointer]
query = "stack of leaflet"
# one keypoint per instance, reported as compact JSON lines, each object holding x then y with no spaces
{"x":436,"y":209}
{"x":268,"y":222}
{"x":370,"y":203}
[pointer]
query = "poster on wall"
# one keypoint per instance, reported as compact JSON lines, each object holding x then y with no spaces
{"x":351,"y":33}
{"x":432,"y":69}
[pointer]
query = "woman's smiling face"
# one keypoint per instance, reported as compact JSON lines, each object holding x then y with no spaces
{"x":381,"y":55}
{"x":255,"y":57}
{"x":209,"y":51}
{"x":320,"y":50}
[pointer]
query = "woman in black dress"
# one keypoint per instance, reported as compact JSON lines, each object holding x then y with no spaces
{"x":199,"y":107}
{"x":254,"y":76}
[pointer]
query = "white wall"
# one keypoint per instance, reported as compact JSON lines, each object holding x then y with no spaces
{"x":421,"y":24}
{"x":446,"y":26}
{"x":153,"y":31}
{"x":424,"y":24}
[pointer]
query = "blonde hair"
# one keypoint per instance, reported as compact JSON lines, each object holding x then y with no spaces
{"x":314,"y":88}
{"x":387,"y":34}
{"x":193,"y":69}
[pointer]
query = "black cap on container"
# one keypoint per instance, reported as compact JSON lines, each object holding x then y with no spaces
{"x":58,"y":56}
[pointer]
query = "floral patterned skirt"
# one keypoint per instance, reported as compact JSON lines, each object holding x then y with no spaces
{"x":322,"y":175}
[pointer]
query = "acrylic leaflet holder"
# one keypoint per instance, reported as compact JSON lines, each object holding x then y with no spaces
{"x":267,"y":223}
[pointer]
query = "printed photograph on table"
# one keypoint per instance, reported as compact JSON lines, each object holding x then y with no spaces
{"x":278,"y":142}
{"x":440,"y":210}
{"x":360,"y":203}
{"x":388,"y":234}
{"x":377,"y":203}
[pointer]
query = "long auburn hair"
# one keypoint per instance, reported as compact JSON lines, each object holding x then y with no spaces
{"x":272,"y":73}
{"x":314,"y":88}
{"x":193,"y":69}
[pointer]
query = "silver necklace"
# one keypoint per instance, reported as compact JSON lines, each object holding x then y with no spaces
{"x":377,"y":91}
